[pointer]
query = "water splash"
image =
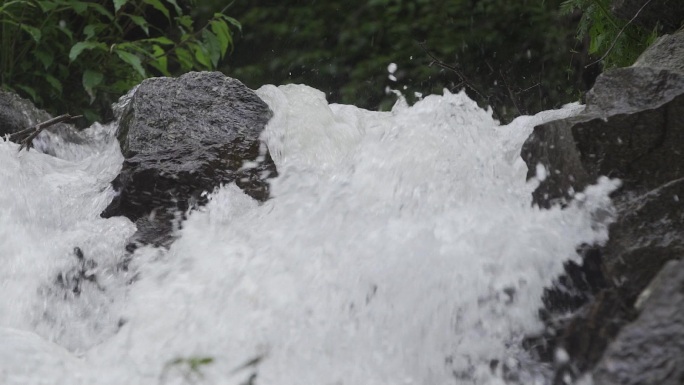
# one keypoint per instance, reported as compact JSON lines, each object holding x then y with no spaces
{"x":399,"y":248}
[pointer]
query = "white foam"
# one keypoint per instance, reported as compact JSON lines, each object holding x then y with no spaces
{"x":399,"y":248}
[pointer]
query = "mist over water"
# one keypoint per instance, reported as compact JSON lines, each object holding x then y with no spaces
{"x":398,"y":248}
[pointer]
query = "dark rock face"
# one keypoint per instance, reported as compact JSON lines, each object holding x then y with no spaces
{"x":630,"y":129}
{"x":650,"y":350}
{"x":633,"y":129}
{"x":182,"y":138}
{"x":668,"y":13}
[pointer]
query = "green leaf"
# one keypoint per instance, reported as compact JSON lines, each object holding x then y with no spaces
{"x":92,"y":79}
{"x":132,"y":60}
{"x":47,"y":6}
{"x":83,"y":45}
{"x":91,"y":115}
{"x":140,"y":22}
{"x":122,"y":86}
{"x":134,"y":47}
{"x":118,"y":4}
{"x":220,"y":29}
{"x":158,"y":6}
{"x":159,"y":60}
{"x":30,"y":91}
{"x":79,"y":7}
{"x":90,"y":30}
{"x":101,"y":10}
{"x":230,"y":20}
{"x":161,"y":40}
{"x":568,"y":6}
{"x":202,"y":56}
{"x":185,"y":21}
{"x":67,"y":32}
{"x":8,"y":4}
{"x":184,"y":59}
{"x":54,"y":82}
{"x":212,"y":47}
{"x":33,"y":31}
{"x":179,"y":11}
{"x":44,"y":57}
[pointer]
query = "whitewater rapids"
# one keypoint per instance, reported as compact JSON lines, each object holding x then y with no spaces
{"x":398,"y":248}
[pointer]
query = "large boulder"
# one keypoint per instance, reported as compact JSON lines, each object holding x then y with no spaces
{"x":632,"y":128}
{"x":182,"y":138}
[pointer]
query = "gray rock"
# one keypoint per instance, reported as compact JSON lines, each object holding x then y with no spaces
{"x":17,"y":113}
{"x":651,"y":349}
{"x":632,"y":122}
{"x":632,"y":128}
{"x":183,"y":137}
{"x":665,"y":53}
{"x":648,"y":234}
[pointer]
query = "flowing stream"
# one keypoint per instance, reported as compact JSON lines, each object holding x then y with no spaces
{"x":399,"y":248}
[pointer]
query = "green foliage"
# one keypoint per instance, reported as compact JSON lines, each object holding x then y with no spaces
{"x":80,"y":56}
{"x":613,"y":39}
{"x":514,"y":52}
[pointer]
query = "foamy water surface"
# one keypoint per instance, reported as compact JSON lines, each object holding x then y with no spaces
{"x":398,"y":248}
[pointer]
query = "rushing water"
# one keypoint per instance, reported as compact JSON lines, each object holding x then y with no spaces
{"x":399,"y":248}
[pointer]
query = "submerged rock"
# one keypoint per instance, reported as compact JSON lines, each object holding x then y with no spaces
{"x":182,"y":138}
{"x":633,"y":129}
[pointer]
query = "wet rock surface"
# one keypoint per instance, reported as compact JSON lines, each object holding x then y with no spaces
{"x":650,"y":349}
{"x":182,"y":138}
{"x":632,"y":129}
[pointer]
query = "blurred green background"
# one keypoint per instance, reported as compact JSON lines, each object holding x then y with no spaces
{"x":519,"y":57}
{"x":515,"y":56}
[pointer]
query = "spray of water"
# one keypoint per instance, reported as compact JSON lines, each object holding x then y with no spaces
{"x":399,"y":248}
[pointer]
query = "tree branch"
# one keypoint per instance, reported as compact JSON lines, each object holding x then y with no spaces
{"x":33,"y":131}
